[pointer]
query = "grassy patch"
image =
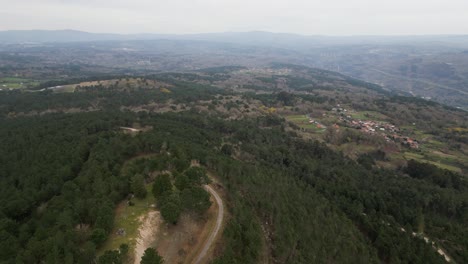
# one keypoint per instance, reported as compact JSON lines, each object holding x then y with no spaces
{"x":303,"y":122}
{"x":297,"y":118}
{"x":13,"y":80}
{"x":12,"y":85}
{"x":444,"y":166}
{"x":16,"y":83}
{"x":423,"y":158}
{"x":415,"y":156}
{"x":127,"y":218}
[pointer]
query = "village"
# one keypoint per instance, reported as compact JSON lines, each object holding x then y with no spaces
{"x":390,"y":132}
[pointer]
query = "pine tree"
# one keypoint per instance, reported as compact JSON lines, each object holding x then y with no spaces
{"x":151,"y":256}
{"x":138,"y":186}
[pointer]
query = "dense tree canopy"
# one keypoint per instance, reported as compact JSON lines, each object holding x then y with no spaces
{"x":61,"y":176}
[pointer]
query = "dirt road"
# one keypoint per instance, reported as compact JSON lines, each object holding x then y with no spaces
{"x":214,"y":233}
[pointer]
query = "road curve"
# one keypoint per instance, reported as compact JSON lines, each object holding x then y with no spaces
{"x":215,"y":231}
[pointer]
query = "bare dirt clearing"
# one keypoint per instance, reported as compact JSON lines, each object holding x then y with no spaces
{"x":147,"y":232}
{"x":139,"y":225}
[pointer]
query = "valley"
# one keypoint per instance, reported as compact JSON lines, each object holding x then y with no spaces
{"x":430,"y":67}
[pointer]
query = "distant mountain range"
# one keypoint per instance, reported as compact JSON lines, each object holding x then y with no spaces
{"x":283,"y":40}
{"x":41,"y":36}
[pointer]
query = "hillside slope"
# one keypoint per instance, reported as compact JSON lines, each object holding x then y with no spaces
{"x":304,"y":184}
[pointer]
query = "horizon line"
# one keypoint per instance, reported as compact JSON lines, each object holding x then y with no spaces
{"x":240,"y":32}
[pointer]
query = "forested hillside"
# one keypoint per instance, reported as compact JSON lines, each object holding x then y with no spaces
{"x":292,"y":197}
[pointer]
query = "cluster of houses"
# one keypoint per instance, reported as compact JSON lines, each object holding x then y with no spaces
{"x":371,"y":126}
{"x":390,"y":132}
{"x":315,"y":122}
{"x":339,"y":109}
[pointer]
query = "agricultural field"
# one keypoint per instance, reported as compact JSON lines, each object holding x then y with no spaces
{"x":16,"y":83}
{"x":435,"y":152}
{"x":431,"y":150}
{"x":427,"y":158}
{"x":303,"y":121}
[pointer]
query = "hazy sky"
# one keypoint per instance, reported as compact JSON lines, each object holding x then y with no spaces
{"x":327,"y":17}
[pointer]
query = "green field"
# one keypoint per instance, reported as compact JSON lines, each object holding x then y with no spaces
{"x":435,"y":152}
{"x":16,"y":83}
{"x":303,"y":122}
{"x":13,"y":79}
{"x":424,"y":158}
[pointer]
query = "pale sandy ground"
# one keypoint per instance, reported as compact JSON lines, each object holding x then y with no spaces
{"x":442,"y":252}
{"x":147,"y":233}
{"x":439,"y":250}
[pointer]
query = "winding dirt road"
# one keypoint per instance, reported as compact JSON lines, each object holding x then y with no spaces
{"x":214,"y":233}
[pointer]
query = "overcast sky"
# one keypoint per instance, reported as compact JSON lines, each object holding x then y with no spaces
{"x":310,"y":17}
